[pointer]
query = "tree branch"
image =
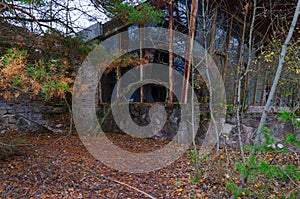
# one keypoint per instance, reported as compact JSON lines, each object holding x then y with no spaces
{"x":278,"y":74}
{"x":14,"y":7}
{"x":17,"y":18}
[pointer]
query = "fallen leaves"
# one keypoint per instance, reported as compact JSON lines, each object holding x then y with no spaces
{"x":60,"y":167}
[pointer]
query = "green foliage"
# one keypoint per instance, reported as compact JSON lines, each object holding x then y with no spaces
{"x":292,"y":170}
{"x":267,"y":145}
{"x":290,"y":77}
{"x":16,"y":82}
{"x":285,"y":116}
{"x":51,"y":86}
{"x":256,"y":166}
{"x":77,"y":46}
{"x":193,"y":155}
{"x":289,"y":117}
{"x":194,"y":178}
{"x":291,"y":139}
{"x":50,"y":78}
{"x":242,"y":168}
{"x":141,"y":14}
{"x":12,"y":55}
{"x":32,"y":2}
{"x":270,"y":171}
{"x":235,"y":189}
{"x":193,"y":160}
{"x":269,"y":136}
{"x":145,"y":14}
{"x":38,"y":2}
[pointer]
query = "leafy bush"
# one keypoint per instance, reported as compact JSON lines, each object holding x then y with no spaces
{"x":50,"y":78}
{"x":263,"y":161}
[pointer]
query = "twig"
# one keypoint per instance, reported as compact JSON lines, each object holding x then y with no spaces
{"x":14,"y":145}
{"x":283,"y":170}
{"x":294,"y":190}
{"x":118,"y":182}
{"x":4,"y":6}
{"x":71,"y":115}
{"x":5,"y":194}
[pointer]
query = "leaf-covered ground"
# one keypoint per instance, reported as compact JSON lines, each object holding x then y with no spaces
{"x":54,"y":166}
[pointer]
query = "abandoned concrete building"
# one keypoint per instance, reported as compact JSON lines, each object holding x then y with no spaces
{"x":225,"y":35}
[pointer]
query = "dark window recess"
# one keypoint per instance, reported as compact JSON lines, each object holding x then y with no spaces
{"x":153,"y":93}
{"x":108,"y":83}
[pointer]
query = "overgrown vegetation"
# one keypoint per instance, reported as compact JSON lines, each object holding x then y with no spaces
{"x":49,"y":78}
{"x":264,"y":161}
{"x":46,"y":68}
{"x":129,"y":12}
{"x":288,"y":84}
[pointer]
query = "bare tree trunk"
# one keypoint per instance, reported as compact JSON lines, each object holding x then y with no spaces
{"x":278,"y":74}
{"x":194,"y":132}
{"x":171,"y":57}
{"x":187,"y":68}
{"x":244,"y":74}
{"x":67,"y":17}
{"x":240,"y":67}
{"x":209,"y":83}
{"x":189,"y":50}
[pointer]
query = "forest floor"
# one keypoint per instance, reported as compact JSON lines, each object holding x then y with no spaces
{"x":57,"y":166}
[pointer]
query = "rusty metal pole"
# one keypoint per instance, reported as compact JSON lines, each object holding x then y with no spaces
{"x":171,"y":56}
{"x":189,"y":50}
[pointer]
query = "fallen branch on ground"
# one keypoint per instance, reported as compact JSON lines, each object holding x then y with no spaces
{"x":49,"y":128}
{"x":118,"y":182}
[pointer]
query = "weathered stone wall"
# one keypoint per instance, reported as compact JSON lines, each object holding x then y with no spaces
{"x":30,"y":114}
{"x":139,"y":114}
{"x":250,"y":120}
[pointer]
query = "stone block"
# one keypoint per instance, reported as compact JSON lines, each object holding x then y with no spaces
{"x":251,"y":122}
{"x":12,"y":120}
{"x":227,"y":128}
{"x":3,"y":110}
{"x":20,"y":110}
{"x":4,"y":120}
